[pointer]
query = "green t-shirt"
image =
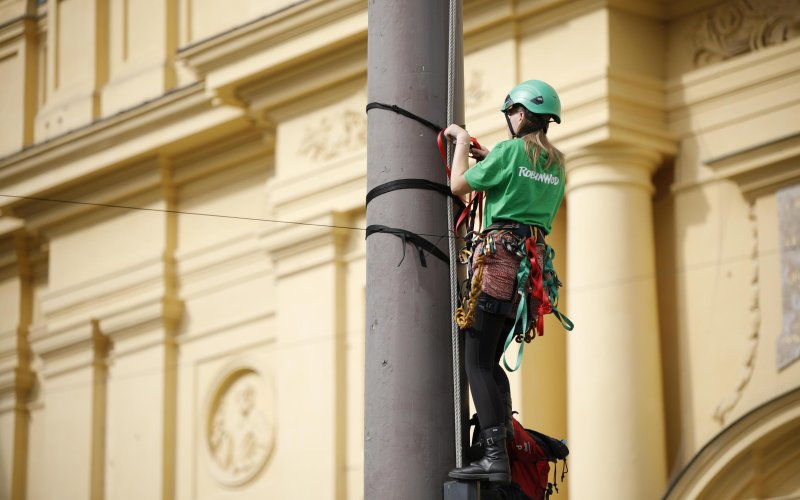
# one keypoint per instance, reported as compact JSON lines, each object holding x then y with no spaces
{"x":515,"y":190}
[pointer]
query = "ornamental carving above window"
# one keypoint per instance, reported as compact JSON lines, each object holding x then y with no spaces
{"x":741,"y":26}
{"x":334,"y":136}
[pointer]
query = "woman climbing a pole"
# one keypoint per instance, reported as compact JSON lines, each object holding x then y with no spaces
{"x":523,"y":181}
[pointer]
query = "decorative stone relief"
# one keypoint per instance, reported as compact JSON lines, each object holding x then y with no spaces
{"x":788,"y":344}
{"x":726,"y":405}
{"x":736,"y":27}
{"x":239,"y":427}
{"x":475,"y":92}
{"x":334,"y":136}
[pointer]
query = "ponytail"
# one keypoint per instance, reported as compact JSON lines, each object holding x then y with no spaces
{"x":536,"y":142}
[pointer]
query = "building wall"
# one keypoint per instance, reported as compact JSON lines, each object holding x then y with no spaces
{"x":168,"y":330}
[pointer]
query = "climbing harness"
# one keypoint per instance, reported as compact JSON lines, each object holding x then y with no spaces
{"x":536,"y":284}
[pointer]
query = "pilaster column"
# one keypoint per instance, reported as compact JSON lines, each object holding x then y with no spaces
{"x":16,"y":373}
{"x":615,"y":406}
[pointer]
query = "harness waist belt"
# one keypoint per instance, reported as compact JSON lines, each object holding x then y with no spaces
{"x":522,"y":230}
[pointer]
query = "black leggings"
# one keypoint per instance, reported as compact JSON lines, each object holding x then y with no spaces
{"x":487,"y":379}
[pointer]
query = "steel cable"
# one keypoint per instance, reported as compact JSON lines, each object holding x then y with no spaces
{"x":454,"y":334}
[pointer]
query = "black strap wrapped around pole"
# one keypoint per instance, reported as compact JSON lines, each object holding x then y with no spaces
{"x":397,"y":109}
{"x":413,"y":184}
{"x":407,"y":236}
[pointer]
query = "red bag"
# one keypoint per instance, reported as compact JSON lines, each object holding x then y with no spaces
{"x":530,"y":455}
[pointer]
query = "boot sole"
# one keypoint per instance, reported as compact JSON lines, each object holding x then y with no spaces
{"x":496,"y":477}
{"x":500,"y":478}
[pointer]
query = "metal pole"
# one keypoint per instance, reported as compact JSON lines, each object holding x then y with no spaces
{"x":409,"y":435}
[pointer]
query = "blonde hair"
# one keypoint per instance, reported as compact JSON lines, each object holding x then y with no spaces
{"x":536,"y":142}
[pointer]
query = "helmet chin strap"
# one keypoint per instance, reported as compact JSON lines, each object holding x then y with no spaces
{"x":510,"y":128}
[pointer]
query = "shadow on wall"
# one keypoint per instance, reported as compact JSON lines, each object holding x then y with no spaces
{"x":669,"y":240}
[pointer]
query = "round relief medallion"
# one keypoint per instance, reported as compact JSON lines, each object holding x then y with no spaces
{"x":239,"y":428}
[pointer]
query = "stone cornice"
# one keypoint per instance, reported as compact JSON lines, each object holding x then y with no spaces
{"x":724,"y":83}
{"x":615,"y":107}
{"x":300,"y":16}
{"x":308,"y":244}
{"x":8,"y":342}
{"x":74,"y":339}
{"x":16,"y":382}
{"x":753,"y":97}
{"x":67,"y":344}
{"x":15,"y":374}
{"x":232,"y":261}
{"x":10,"y":225}
{"x":339,"y":186}
{"x":263,"y":98}
{"x":549,"y":12}
{"x":486,"y":21}
{"x":10,"y":230}
{"x":70,"y":200}
{"x":276,"y":43}
{"x":131,"y":303}
{"x":138,"y":182}
{"x":535,"y":15}
{"x":212,"y":52}
{"x":144,"y":279}
{"x":763,"y":168}
{"x":14,"y":29}
{"x":485,"y":15}
{"x":662,"y":9}
{"x":167,"y":125}
{"x":170,"y":102}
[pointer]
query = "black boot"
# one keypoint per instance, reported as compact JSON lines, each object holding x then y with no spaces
{"x":506,"y":397}
{"x":494,"y":463}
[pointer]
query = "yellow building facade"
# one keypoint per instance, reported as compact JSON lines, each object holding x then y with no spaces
{"x":182,"y":259}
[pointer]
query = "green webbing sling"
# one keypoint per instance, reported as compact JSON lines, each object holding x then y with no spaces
{"x":550,"y":286}
{"x":523,"y":271}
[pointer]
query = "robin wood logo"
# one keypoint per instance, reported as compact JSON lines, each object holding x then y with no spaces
{"x":538,"y":176}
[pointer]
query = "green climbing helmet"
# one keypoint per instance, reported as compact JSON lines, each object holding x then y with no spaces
{"x":537,"y":97}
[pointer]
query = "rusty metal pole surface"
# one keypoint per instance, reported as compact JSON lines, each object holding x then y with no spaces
{"x":409,"y":435}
